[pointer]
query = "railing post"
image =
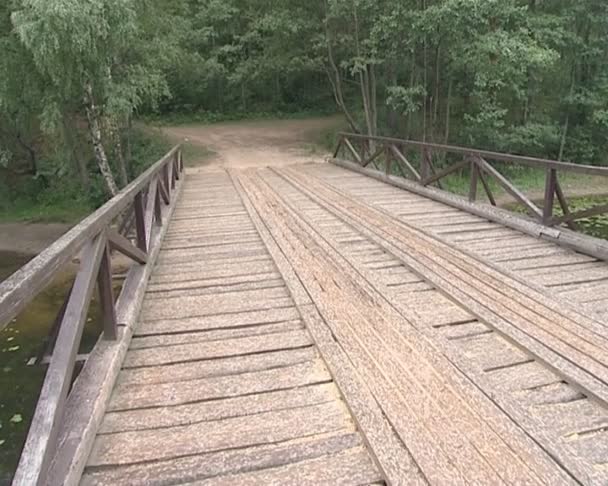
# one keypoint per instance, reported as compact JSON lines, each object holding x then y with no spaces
{"x":424,"y":164}
{"x":140,"y":222}
{"x":173,"y":171}
{"x":106,"y":296}
{"x":550,"y":189}
{"x":474,"y":181}
{"x":158,"y":213}
{"x":389,"y":160}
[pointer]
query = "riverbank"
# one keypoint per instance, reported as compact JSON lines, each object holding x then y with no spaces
{"x":29,"y":238}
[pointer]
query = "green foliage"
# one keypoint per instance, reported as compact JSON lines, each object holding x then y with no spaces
{"x":54,"y":196}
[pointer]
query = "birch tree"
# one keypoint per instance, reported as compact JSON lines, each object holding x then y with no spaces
{"x":87,"y":51}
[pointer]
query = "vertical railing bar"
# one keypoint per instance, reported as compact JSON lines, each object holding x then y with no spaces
{"x":149,"y":211}
{"x":158,"y":214}
{"x":140,"y":222}
{"x":474,"y":181}
{"x":550,"y":187}
{"x":165,"y":178}
{"x":564,"y":203}
{"x":106,"y":296}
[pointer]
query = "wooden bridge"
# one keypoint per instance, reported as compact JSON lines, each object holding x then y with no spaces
{"x":328,"y":324}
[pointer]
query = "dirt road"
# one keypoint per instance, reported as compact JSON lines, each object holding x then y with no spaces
{"x":257,"y":143}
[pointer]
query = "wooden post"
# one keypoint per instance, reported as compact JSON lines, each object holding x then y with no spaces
{"x":158,"y":213}
{"x":106,"y":296}
{"x":474,"y":180}
{"x":166,"y":179}
{"x":389,"y":161}
{"x":176,"y":168}
{"x":550,"y":189}
{"x":425,"y":171}
{"x":140,"y":222}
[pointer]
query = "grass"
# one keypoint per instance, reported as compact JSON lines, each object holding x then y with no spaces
{"x":32,"y":211}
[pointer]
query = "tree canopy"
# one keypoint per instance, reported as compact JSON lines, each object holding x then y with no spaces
{"x":524,"y":76}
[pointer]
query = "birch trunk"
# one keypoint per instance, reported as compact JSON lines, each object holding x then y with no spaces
{"x":122,"y":165}
{"x":95,"y":132}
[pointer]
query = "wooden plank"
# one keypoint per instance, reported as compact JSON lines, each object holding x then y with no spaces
{"x":180,"y":307}
{"x":211,"y":283}
{"x":44,"y":429}
{"x":393,"y":458}
{"x":207,"y":368}
{"x":153,"y":445}
{"x":193,"y":468}
{"x":229,"y":347}
{"x":205,"y":389}
{"x":345,"y":468}
{"x":548,"y":468}
{"x":567,"y":348}
{"x":145,"y":342}
{"x":338,"y":299}
{"x":219,"y":409}
{"x":218,"y":321}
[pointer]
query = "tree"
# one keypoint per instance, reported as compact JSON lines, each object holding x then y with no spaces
{"x":86,"y":49}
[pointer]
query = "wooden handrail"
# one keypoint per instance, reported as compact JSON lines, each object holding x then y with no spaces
{"x":480,"y":170}
{"x":486,"y":154}
{"x":93,"y":239}
{"x":23,"y":286}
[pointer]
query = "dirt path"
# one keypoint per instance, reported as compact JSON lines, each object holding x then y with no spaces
{"x":257,"y":143}
{"x":236,"y":144}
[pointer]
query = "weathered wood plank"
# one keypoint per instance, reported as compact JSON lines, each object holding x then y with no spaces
{"x":218,"y":409}
{"x":345,"y":468}
{"x":208,"y":368}
{"x":181,"y":307}
{"x":218,"y":321}
{"x":192,"y":468}
{"x":229,"y":347}
{"x":161,"y":340}
{"x":152,"y":445}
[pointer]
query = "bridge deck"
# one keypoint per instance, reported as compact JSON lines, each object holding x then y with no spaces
{"x":295,"y":332}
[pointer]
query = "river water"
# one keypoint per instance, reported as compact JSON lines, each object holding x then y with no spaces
{"x":21,"y":341}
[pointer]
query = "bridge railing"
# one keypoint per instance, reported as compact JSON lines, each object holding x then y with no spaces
{"x":92,"y":241}
{"x":366,"y":150}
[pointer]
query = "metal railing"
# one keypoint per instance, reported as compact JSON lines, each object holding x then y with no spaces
{"x":92,"y":240}
{"x":366,"y":150}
